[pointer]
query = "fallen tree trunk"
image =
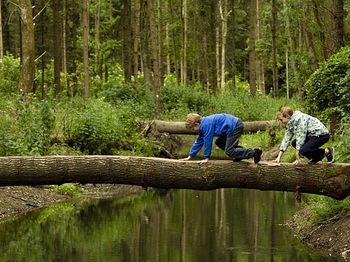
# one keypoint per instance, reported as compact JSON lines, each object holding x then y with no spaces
{"x":330,"y":180}
{"x":180,"y":128}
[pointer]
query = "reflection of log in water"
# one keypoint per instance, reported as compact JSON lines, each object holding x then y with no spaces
{"x":331,"y":180}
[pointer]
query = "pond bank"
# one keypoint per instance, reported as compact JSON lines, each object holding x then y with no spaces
{"x":330,"y":237}
{"x":18,"y":200}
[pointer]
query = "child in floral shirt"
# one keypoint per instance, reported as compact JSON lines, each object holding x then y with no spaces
{"x":310,"y":135}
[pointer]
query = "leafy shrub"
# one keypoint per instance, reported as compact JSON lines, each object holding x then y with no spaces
{"x":342,"y":142}
{"x":136,"y":96}
{"x":328,"y":88}
{"x":174,"y":97}
{"x":9,"y":72}
{"x":92,"y":126}
{"x":25,"y":127}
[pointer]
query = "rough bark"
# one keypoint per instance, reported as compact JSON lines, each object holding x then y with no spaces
{"x":180,"y":128}
{"x":331,"y":180}
{"x":27,"y":46}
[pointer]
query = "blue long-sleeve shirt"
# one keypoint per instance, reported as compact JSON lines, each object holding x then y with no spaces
{"x":210,"y":127}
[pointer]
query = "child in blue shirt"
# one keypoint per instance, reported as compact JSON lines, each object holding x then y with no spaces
{"x":227,"y":128}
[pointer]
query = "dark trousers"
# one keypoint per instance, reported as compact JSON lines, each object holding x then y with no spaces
{"x":311,"y":148}
{"x":230,"y":144}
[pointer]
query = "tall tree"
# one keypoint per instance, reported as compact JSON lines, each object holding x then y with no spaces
{"x":135,"y":10}
{"x":337,"y":31}
{"x":274,"y":48}
{"x":98,"y":65}
{"x":252,"y":52}
{"x":1,"y":43}
{"x":86,"y":48}
{"x":127,"y":41}
{"x":184,"y":43}
{"x":233,"y":32}
{"x":155,"y":56}
{"x":27,"y":46}
{"x":144,"y":46}
{"x":224,"y":14}
{"x":57,"y":44}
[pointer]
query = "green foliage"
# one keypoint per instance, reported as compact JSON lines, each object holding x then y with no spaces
{"x":342,"y":142}
{"x":25,"y":126}
{"x":322,"y":207}
{"x":9,"y":75}
{"x":177,"y":101}
{"x":328,"y":89}
{"x":66,"y":189}
{"x":94,"y":127}
{"x":175,"y":97}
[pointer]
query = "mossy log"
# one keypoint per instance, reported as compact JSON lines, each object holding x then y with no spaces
{"x":331,"y":180}
{"x":180,"y":128}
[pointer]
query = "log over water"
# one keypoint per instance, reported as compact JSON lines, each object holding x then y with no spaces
{"x":331,"y":180}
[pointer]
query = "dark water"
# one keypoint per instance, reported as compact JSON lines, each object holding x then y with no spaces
{"x":184,"y":225}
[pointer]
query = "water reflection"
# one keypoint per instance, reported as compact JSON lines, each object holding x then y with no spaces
{"x":184,"y":225}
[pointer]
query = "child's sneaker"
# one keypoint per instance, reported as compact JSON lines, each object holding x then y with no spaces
{"x":257,"y":155}
{"x":330,"y":154}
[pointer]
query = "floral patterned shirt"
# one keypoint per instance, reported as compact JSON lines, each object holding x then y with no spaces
{"x":302,"y":125}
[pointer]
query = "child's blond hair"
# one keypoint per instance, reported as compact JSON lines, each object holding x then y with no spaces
{"x":192,"y":119}
{"x":285,"y":111}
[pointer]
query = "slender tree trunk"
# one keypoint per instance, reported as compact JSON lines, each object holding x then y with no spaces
{"x":212,"y":46}
{"x":224,"y":17}
{"x":144,"y":33}
{"x":136,"y":36}
{"x":167,"y":44}
{"x":184,"y":43}
{"x":173,"y":36}
{"x":290,"y":49}
{"x":127,"y":41}
{"x":155,"y":57}
{"x":27,"y":46}
{"x":274,"y":49}
{"x":64,"y":40}
{"x":42,"y":51}
{"x":159,"y":26}
{"x":98,"y":65}
{"x":217,"y":55}
{"x":233,"y":45}
{"x":57,"y":45}
{"x":287,"y":72}
{"x":258,"y":59}
{"x":337,"y":32}
{"x":252,"y":51}
{"x":1,"y":42}
{"x":321,"y":28}
{"x":86,"y":48}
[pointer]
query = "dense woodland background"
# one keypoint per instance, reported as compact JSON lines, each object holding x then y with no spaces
{"x":274,"y":45}
{"x":133,"y":60}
